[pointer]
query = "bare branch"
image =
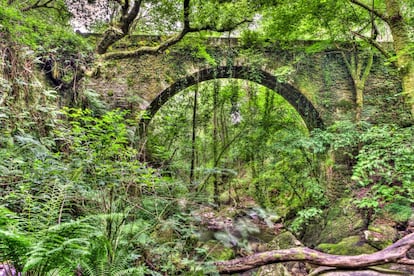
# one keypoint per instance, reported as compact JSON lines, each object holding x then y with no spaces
{"x":348,"y":64}
{"x":406,"y":261}
{"x":395,"y":253}
{"x":370,"y":9}
{"x":374,"y":43}
{"x":186,"y":10}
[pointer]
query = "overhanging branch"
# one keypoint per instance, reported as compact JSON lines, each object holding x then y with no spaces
{"x":370,"y":9}
{"x":114,"y":35}
{"x":374,"y":43}
{"x":147,"y":50}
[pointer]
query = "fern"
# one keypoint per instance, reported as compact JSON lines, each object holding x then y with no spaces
{"x":13,"y":244}
{"x":60,"y":247}
{"x":13,"y":248}
{"x":104,"y":260}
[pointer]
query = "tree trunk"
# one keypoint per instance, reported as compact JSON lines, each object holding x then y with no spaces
{"x":402,"y":47}
{"x":395,"y":253}
{"x":193,"y":138}
{"x":216,"y":192}
{"x":359,"y":74}
{"x":408,"y":85}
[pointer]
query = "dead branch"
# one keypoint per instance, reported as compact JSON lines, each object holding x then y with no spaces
{"x":395,"y":253}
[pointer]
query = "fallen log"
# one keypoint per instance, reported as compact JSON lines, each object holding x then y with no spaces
{"x":395,"y":253}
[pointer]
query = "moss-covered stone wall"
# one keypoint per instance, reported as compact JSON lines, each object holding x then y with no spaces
{"x":321,"y":77}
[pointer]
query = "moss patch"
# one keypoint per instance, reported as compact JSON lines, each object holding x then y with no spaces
{"x":380,"y":236}
{"x":348,"y":246}
{"x":284,"y":240}
{"x":342,"y":220}
{"x":217,"y":251}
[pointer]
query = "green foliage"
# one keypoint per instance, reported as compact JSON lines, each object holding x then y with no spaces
{"x":313,"y":20}
{"x":252,"y":39}
{"x":91,"y":206}
{"x":100,"y":150}
{"x":77,"y":199}
{"x":40,"y":38}
{"x":40,"y":33}
{"x":33,"y":169}
{"x":385,"y":169}
{"x":26,"y":105}
{"x":13,"y":245}
{"x":265,"y":153}
{"x":304,"y":218}
{"x":59,"y":247}
{"x":381,"y":159}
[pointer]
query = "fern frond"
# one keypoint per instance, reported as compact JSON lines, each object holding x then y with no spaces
{"x":13,"y":248}
{"x":60,"y":247}
{"x":133,"y":271}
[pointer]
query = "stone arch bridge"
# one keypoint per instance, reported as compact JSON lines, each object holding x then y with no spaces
{"x":318,"y":84}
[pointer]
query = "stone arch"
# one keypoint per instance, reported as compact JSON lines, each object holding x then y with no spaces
{"x":303,"y":106}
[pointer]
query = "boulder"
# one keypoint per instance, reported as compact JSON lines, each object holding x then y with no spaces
{"x":380,"y":236}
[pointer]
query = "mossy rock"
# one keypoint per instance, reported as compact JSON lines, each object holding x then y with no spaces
{"x":341,"y":221}
{"x":348,"y":246}
{"x":380,"y":236}
{"x":284,"y":240}
{"x":217,"y":251}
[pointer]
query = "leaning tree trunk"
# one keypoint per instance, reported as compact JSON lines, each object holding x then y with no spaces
{"x":395,"y":253}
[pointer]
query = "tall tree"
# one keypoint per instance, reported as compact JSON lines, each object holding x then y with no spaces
{"x":397,"y":15}
{"x":372,"y":21}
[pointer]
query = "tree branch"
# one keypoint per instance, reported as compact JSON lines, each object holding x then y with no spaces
{"x":373,"y":43}
{"x":115,"y":33}
{"x":38,"y":5}
{"x":395,"y":253}
{"x":370,"y":9}
{"x":147,"y":50}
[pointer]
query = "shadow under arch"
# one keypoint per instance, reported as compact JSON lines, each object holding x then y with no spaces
{"x":302,"y":105}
